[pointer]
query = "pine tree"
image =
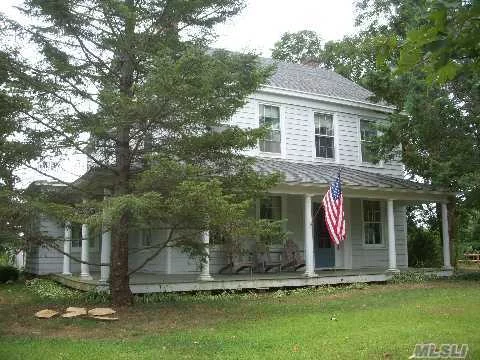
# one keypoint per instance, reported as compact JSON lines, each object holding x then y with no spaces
{"x":133,"y":85}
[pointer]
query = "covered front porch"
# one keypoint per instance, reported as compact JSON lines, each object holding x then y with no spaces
{"x":375,"y":248}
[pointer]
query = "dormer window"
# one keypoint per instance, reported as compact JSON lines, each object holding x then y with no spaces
{"x":367,"y":134}
{"x":270,"y":117}
{"x":324,"y":136}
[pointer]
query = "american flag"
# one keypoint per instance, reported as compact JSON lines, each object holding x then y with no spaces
{"x":334,"y":216}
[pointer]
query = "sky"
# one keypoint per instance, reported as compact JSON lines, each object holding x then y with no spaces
{"x":257,"y":28}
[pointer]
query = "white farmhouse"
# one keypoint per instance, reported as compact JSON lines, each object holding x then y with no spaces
{"x":320,"y":123}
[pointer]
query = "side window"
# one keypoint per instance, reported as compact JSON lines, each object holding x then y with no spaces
{"x":324,"y":136}
{"x":270,"y":117}
{"x":367,"y":134}
{"x":372,"y":223}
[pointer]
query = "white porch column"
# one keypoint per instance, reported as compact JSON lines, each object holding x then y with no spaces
{"x":67,"y":247}
{"x":205,"y":271}
{"x":447,"y":265}
{"x":106,"y":248}
{"x":392,"y":251}
{"x":105,"y":255}
{"x":84,"y":268}
{"x":308,"y":230}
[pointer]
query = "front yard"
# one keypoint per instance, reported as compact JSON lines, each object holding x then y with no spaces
{"x":356,"y":322}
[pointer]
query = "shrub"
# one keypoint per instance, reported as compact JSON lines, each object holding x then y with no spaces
{"x":416,"y":277}
{"x":8,"y":273}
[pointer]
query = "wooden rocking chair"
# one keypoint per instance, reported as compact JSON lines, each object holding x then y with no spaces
{"x":237,"y":260}
{"x":291,"y":256}
{"x":264,"y":259}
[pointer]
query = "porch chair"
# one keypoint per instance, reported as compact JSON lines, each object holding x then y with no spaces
{"x":237,"y":259}
{"x":264,"y":260}
{"x":291,"y":257}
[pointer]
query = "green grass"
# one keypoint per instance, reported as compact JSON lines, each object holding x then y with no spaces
{"x":374,"y":322}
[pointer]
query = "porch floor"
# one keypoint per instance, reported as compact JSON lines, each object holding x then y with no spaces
{"x":143,"y":282}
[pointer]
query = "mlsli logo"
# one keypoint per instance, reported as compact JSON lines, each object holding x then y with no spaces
{"x":443,"y":351}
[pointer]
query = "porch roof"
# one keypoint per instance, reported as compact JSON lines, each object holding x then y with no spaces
{"x":296,"y":173}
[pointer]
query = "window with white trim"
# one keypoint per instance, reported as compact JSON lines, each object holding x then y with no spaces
{"x":372,"y":223}
{"x":367,"y":134}
{"x":324,"y":136}
{"x":269,"y":116}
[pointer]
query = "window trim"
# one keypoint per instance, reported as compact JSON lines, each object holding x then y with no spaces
{"x":336,"y":156}
{"x":381,"y":163}
{"x":281,"y":112}
{"x":383,"y":244}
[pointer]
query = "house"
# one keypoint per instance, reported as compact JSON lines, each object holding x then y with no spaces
{"x":320,"y":123}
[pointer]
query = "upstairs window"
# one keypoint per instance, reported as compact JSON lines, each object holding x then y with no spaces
{"x":324,"y":136}
{"x":270,"y":117}
{"x":367,"y":134}
{"x":372,"y":223}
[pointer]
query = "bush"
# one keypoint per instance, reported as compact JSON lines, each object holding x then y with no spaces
{"x":8,"y":273}
{"x":415,"y":277}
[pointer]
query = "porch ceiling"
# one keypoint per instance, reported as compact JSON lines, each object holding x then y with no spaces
{"x":311,"y":176}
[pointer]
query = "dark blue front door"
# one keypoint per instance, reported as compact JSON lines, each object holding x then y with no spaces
{"x":324,"y":250}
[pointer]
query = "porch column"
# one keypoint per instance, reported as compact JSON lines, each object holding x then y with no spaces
{"x":84,"y":268}
{"x":105,"y":255}
{"x":447,"y":265}
{"x":67,"y":247}
{"x":205,"y":266}
{"x":308,"y":229}
{"x":392,"y":251}
{"x":106,"y":248}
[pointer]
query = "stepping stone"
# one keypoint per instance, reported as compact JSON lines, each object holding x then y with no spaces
{"x":101,"y":312}
{"x":81,"y":310}
{"x":46,"y":314}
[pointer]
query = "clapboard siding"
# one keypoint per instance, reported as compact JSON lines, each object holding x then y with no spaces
{"x":298,"y":130}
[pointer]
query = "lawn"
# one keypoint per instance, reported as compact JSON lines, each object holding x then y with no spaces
{"x":356,"y":322}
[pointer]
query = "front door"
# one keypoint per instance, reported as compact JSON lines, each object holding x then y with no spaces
{"x":324,"y":250}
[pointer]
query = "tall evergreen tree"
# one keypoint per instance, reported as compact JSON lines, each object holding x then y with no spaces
{"x":133,"y":86}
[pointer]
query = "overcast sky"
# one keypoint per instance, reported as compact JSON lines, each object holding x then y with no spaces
{"x":257,"y":28}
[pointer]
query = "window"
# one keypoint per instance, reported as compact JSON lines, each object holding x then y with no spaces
{"x":372,"y":223}
{"x":76,"y":236}
{"x":146,"y":237}
{"x":367,"y":133}
{"x":324,"y":136}
{"x":271,"y":209}
{"x":270,"y":117}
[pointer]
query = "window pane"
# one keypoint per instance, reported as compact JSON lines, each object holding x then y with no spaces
{"x":271,"y":208}
{"x":323,"y":124}
{"x":324,"y":147}
{"x":367,"y":131}
{"x":368,"y":155}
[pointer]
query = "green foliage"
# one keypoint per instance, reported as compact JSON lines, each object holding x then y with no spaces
{"x":48,"y":290}
{"x":300,"y":47}
{"x":8,"y":273}
{"x":415,"y":277}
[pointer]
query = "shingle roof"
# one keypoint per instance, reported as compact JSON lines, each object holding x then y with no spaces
{"x":317,"y":81}
{"x":325,"y":174}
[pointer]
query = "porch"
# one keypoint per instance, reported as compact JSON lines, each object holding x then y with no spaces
{"x":143,"y":283}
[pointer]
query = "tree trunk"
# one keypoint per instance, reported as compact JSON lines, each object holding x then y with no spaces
{"x":452,"y":225}
{"x":119,"y":284}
